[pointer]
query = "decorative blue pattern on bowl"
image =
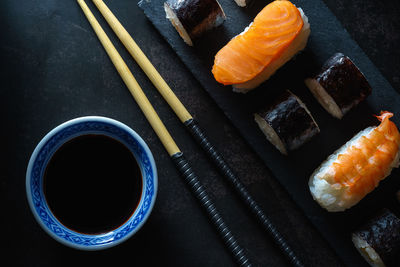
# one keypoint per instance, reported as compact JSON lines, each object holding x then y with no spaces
{"x":44,"y":151}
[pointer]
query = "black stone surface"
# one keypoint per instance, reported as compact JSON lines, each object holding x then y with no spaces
{"x":53,"y":69}
{"x":327,"y":38}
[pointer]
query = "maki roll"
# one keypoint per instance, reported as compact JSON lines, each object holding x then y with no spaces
{"x":356,"y":168}
{"x":277,"y":33}
{"x":378,"y":241}
{"x":191,"y":18}
{"x":287,"y":123}
{"x":339,"y":86}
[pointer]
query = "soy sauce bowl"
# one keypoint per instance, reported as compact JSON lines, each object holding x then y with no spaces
{"x":43,"y":153}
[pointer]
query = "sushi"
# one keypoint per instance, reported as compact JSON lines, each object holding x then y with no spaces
{"x":191,"y":18}
{"x":287,"y":123}
{"x":339,"y":86}
{"x":277,"y":33}
{"x":356,"y":168}
{"x":378,"y":241}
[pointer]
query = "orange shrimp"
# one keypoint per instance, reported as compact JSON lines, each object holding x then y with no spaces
{"x":369,"y":161}
{"x":359,"y":166}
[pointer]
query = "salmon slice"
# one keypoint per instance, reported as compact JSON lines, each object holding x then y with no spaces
{"x":356,"y":169}
{"x":277,"y":33}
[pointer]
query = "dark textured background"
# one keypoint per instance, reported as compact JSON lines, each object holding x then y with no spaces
{"x":53,"y":69}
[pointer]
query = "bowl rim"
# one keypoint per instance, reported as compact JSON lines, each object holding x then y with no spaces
{"x":116,"y":236}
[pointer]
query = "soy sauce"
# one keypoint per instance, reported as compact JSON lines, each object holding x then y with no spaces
{"x":92,"y":184}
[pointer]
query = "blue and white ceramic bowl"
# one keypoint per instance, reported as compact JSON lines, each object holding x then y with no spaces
{"x":44,"y":151}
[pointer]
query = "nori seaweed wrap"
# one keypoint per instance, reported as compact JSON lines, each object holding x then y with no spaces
{"x":339,"y":86}
{"x":378,"y":241}
{"x":191,"y":18}
{"x":287,"y":123}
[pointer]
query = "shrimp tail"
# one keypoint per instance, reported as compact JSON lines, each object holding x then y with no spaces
{"x":384,"y":115}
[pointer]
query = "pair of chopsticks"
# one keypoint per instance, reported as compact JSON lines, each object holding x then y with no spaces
{"x":163,"y":134}
{"x":192,"y":126}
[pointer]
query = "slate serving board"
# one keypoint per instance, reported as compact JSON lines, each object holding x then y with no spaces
{"x":327,"y":37}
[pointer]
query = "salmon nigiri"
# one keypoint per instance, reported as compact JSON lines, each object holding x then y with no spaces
{"x":356,"y":168}
{"x":277,"y":33}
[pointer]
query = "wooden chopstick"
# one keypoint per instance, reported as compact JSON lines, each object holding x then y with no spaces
{"x":132,"y":84}
{"x":197,"y":133}
{"x":181,"y":163}
{"x":144,"y":62}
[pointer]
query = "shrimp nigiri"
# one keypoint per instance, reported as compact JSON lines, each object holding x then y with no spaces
{"x":356,"y":168}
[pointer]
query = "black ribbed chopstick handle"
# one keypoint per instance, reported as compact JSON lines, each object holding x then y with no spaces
{"x":240,"y":188}
{"x":206,"y":202}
